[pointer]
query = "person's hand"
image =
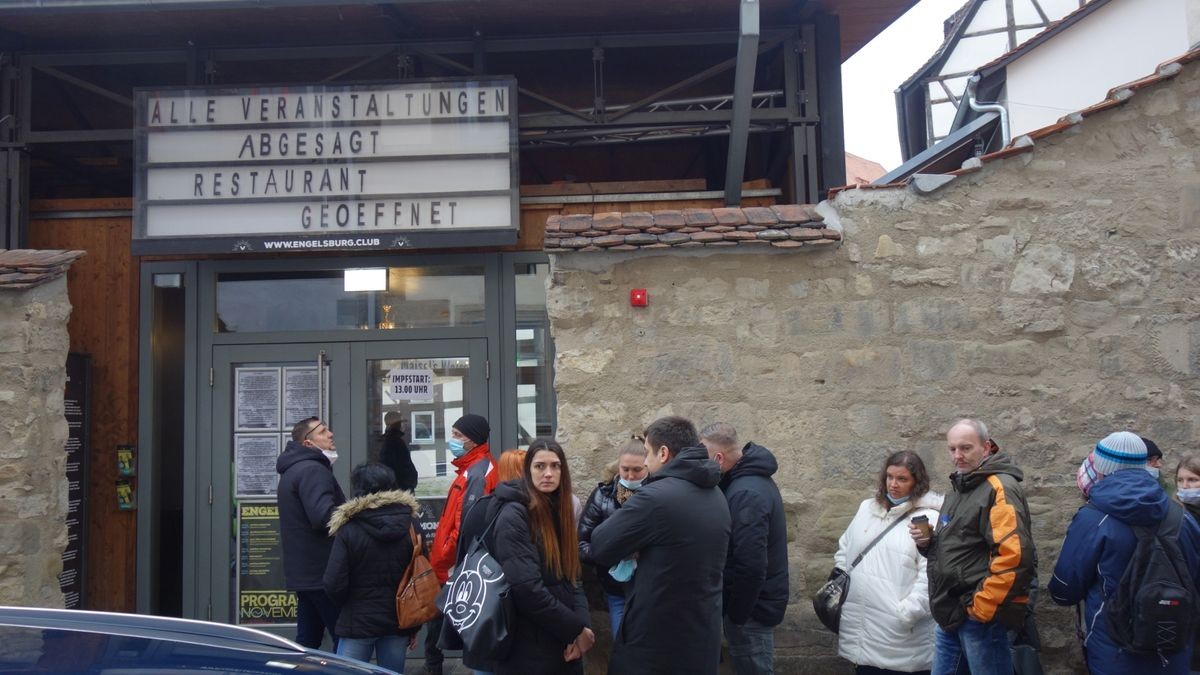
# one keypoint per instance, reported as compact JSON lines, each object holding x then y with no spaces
{"x":412,"y":642}
{"x":572,"y":653}
{"x":918,"y":537}
{"x":585,"y":640}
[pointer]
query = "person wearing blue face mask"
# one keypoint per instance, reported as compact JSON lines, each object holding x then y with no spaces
{"x":475,"y":476}
{"x":886,"y":625}
{"x":624,"y":477}
{"x":1187,"y":491}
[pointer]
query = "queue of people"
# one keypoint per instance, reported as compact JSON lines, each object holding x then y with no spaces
{"x":688,"y":538}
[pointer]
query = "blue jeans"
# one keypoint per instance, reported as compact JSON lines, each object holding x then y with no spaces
{"x":616,"y":610}
{"x":751,"y":647}
{"x":974,"y":649}
{"x":315,"y":613}
{"x":389,"y":650}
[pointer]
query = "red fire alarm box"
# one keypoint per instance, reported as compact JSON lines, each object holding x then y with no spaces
{"x":638,"y":297}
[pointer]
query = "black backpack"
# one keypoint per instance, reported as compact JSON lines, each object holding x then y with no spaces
{"x":1152,"y":609}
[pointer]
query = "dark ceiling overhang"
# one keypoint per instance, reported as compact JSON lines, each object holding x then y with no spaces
{"x":62,"y":25}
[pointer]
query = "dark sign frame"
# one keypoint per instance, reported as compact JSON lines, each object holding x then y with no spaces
{"x":348,"y":238}
{"x":78,"y":389}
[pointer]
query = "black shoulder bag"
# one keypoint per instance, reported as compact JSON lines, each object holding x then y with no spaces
{"x":829,"y":598}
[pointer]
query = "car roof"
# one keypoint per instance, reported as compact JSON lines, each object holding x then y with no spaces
{"x":141,"y":625}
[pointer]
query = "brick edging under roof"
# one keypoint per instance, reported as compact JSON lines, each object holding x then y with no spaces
{"x":783,"y":226}
{"x":21,"y":269}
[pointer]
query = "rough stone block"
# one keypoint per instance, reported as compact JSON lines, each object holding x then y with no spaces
{"x":962,"y":244}
{"x":1042,"y":269}
{"x":932,"y":361}
{"x":552,"y":223}
{"x":861,"y":318}
{"x":1092,"y":314}
{"x":1019,"y":357}
{"x":575,"y":242}
{"x":935,"y":276}
{"x":886,"y":247}
{"x":930,"y":315}
{"x":1024,"y":316}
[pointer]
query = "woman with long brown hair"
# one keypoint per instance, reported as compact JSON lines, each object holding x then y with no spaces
{"x":535,"y":541}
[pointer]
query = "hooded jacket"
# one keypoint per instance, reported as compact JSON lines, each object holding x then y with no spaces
{"x":550,"y":611}
{"x":1099,"y":543}
{"x":678,"y":524}
{"x":885,"y":620}
{"x":307,"y":494}
{"x":371,"y":549}
{"x":756,"y":567}
{"x":981,"y":560}
{"x":600,"y":505}
{"x":476,"y":477}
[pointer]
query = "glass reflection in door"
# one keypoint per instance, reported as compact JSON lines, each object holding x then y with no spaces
{"x":411,"y":404}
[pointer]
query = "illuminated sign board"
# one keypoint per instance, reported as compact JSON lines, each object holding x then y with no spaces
{"x":326,"y":167}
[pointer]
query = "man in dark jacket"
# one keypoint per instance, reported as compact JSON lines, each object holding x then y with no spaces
{"x":981,"y":557}
{"x":678,"y":525}
{"x":308,"y":494}
{"x":1100,"y":543}
{"x":756,"y":569}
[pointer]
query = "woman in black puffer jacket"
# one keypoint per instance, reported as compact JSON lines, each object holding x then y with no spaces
{"x":371,"y":549}
{"x":534,"y":540}
{"x":626,"y":476}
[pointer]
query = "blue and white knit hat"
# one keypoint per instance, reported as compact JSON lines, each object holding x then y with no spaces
{"x":1119,"y":450}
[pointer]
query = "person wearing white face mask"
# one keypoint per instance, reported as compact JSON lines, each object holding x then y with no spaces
{"x":308,"y":494}
{"x":1187,"y":491}
{"x":624,"y":477}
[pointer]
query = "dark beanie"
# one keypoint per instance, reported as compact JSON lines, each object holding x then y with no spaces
{"x":474,"y":427}
{"x":1152,"y":450}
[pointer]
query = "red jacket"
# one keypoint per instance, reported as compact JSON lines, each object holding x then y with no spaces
{"x":476,"y":477}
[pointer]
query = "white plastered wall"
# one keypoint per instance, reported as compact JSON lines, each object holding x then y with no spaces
{"x":1120,"y":42}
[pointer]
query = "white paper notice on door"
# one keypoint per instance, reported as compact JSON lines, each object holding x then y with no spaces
{"x":301,"y":395}
{"x":257,"y":400}
{"x":408,"y":385}
{"x":254,"y":458}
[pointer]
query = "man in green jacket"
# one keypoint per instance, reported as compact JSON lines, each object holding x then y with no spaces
{"x":981,"y":557}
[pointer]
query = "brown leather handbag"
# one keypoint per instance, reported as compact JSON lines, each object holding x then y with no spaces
{"x":416,"y":596}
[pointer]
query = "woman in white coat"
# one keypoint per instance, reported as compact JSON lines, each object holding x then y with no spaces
{"x":886,"y":626}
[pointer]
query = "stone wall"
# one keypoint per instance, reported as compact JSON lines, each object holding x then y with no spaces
{"x":1053,"y":293}
{"x":33,"y":484}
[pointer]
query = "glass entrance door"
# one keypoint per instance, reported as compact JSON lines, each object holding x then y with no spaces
{"x":382,"y":399}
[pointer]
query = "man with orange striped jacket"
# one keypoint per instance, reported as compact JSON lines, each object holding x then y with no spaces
{"x":981,"y":558}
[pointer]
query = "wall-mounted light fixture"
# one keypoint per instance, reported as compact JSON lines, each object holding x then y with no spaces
{"x":368,"y":279}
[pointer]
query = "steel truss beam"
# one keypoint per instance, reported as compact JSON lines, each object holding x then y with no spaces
{"x":743,"y":91}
